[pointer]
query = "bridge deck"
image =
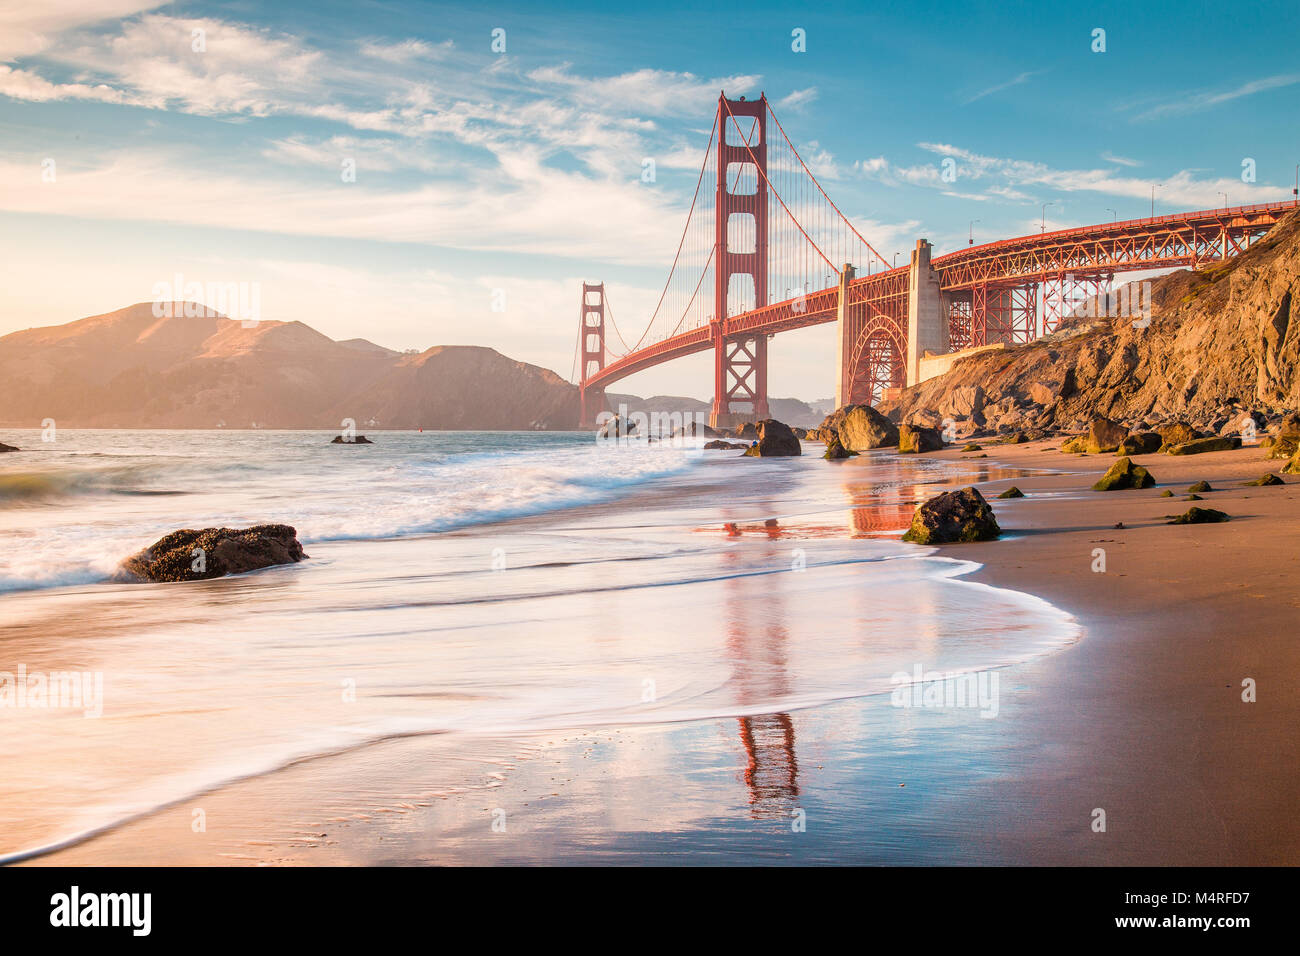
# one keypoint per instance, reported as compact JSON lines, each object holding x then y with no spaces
{"x":1159,"y":242}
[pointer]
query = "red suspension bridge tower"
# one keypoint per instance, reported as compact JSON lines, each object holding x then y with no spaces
{"x":591,"y":326}
{"x":739,"y":361}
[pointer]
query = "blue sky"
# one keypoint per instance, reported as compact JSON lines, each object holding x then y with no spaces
{"x":520,"y":171}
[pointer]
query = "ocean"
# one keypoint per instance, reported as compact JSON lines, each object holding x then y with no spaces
{"x":460,"y":585}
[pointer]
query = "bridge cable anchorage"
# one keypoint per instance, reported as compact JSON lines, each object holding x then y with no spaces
{"x":769,"y":185}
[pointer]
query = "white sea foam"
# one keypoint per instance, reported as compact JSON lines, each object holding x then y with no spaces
{"x":646,"y":617}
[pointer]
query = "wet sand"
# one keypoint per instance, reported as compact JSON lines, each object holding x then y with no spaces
{"x":1142,"y":718}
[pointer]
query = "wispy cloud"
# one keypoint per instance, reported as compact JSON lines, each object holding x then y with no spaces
{"x":1015,"y":81}
{"x":1204,"y":100}
{"x":1120,"y":160}
{"x":1010,"y":178}
{"x":797,"y":99}
{"x":406,"y":50}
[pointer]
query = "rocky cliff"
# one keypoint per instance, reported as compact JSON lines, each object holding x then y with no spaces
{"x":1222,"y":342}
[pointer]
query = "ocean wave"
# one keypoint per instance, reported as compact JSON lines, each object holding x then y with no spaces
{"x":86,"y":520}
{"x":42,"y":486}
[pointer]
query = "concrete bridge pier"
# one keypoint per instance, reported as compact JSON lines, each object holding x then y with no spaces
{"x":924,"y":319}
{"x":927,"y":312}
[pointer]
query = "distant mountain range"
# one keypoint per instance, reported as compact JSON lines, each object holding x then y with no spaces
{"x":130,"y":368}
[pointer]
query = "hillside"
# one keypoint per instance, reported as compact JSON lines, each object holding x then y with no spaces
{"x":1221,"y":340}
{"x":131,"y":369}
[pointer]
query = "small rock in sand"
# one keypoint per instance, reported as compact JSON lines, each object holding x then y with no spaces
{"x":1124,"y":474}
{"x":1200,"y":516}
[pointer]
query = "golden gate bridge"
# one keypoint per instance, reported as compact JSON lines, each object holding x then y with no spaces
{"x":765,"y":250}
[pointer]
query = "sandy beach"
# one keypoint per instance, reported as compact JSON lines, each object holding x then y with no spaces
{"x":1142,"y":716}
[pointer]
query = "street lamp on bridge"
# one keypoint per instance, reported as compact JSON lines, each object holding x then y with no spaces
{"x":1154,"y":187}
{"x":1113,"y":214}
{"x":895,"y":260}
{"x":1225,"y":200}
{"x":971,"y":236}
{"x":1043,"y":227}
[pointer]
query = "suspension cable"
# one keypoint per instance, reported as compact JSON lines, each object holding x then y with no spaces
{"x":819,"y":187}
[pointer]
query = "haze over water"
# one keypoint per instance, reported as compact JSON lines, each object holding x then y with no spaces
{"x":459,"y":584}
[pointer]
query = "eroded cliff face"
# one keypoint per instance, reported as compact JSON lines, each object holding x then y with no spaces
{"x":1221,"y":341}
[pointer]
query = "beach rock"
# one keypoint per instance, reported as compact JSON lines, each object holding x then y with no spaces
{"x":747,"y":430}
{"x":862,"y":428}
{"x":1279,"y":446}
{"x":358,"y":440}
{"x":189,"y":555}
{"x":1292,"y":467}
{"x":953,"y":516}
{"x":1012,"y":492}
{"x":1199,"y":487}
{"x":1264,"y":481}
{"x":1247,"y":424}
{"x":1199,"y":446}
{"x":972,"y":446}
{"x":775,"y":439}
{"x":1193,"y":498}
{"x":917,"y":439}
{"x":834,"y":450}
{"x":1196,"y":515}
{"x":4,"y":448}
{"x":695,"y":430}
{"x":1177,"y":433}
{"x":1124,"y":474}
{"x":1141,"y":443}
{"x":1076,"y":446}
{"x":1166,"y":493}
{"x":1104,"y":435}
{"x":617,"y":427}
{"x":720,"y":445}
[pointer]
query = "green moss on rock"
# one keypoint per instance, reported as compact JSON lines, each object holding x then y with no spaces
{"x":1124,"y":474}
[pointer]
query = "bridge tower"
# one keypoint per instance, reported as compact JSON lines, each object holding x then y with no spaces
{"x":739,"y":362}
{"x":591,"y":323}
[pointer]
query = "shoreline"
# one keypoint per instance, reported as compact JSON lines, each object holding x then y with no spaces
{"x":1093,"y":724}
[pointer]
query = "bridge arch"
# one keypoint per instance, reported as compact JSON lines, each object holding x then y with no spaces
{"x":878,"y":360}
